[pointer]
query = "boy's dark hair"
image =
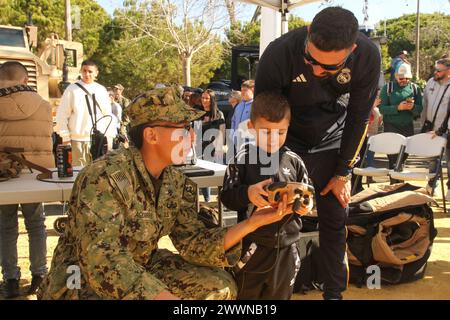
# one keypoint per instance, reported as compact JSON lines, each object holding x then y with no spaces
{"x":89,"y":63}
{"x":13,"y":71}
{"x":271,"y":106}
{"x":333,"y":28}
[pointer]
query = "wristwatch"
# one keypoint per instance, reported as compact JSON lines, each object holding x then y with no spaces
{"x":344,"y":178}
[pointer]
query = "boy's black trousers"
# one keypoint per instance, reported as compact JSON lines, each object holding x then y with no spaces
{"x":269,"y":274}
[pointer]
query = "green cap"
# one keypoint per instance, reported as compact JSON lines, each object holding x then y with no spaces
{"x":163,"y":104}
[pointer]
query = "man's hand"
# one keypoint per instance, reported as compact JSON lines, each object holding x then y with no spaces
{"x":270,"y":215}
{"x":341,"y":190}
{"x":405,"y":105}
{"x":256,"y":192}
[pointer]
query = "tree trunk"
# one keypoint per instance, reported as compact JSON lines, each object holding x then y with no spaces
{"x":231,"y":11}
{"x":187,"y":69}
{"x":68,"y":20}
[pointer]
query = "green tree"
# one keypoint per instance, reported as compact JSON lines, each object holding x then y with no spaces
{"x":434,"y":38}
{"x":48,"y":16}
{"x":139,"y":56}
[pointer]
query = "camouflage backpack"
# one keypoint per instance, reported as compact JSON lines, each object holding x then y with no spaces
{"x":10,"y":167}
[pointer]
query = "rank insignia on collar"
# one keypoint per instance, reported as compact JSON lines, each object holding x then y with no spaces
{"x":344,"y":76}
{"x":190,"y":191}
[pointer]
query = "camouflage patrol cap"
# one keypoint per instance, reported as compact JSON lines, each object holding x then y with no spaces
{"x":164,"y":104}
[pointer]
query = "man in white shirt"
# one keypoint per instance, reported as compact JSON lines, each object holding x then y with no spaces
{"x":74,"y":122}
{"x":436,"y":99}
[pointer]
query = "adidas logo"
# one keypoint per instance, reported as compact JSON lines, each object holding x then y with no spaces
{"x":300,"y":78}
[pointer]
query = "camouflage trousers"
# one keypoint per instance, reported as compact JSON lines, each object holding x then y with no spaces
{"x":183,"y":279}
{"x":188,"y":281}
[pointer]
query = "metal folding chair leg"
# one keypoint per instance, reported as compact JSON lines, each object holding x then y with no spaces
{"x":442,"y":190}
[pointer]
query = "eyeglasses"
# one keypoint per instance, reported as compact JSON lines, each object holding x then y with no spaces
{"x":187,"y":128}
{"x":440,"y":70}
{"x":402,"y":79}
{"x":328,"y":67}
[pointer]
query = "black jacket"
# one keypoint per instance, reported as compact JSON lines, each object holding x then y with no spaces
{"x":245,"y":172}
{"x":320,"y":107}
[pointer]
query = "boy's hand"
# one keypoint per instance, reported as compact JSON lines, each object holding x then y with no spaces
{"x":256,"y":192}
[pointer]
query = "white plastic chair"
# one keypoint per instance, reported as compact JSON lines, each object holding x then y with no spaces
{"x":423,"y":147}
{"x":386,"y":143}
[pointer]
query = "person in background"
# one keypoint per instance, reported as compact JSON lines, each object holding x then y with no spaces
{"x":396,"y":61}
{"x":212,"y":133}
{"x":234,"y":99}
{"x":120,"y":99}
{"x":401,"y":103}
{"x":241,"y":115}
{"x":74,"y":122}
{"x":25,"y":122}
{"x":436,"y":99}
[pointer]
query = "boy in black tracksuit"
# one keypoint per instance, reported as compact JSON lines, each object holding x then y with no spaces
{"x":270,"y":259}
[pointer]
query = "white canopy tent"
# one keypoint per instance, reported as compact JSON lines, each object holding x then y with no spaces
{"x":274,"y":20}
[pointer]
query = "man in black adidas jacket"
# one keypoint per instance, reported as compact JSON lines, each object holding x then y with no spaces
{"x":329,"y":73}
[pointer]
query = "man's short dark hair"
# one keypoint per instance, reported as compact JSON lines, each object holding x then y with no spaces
{"x":333,"y":28}
{"x":136,"y":135}
{"x":271,"y":106}
{"x":89,"y":63}
{"x":13,"y":71}
{"x":445,"y":62}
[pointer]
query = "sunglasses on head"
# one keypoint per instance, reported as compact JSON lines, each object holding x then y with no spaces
{"x":328,"y":67}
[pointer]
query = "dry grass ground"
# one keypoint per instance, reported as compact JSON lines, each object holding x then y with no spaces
{"x":435,"y":285}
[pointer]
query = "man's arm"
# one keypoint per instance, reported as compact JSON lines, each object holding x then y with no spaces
{"x":386,"y":108}
{"x":63,"y":113}
{"x":271,"y":75}
{"x":362,"y":95}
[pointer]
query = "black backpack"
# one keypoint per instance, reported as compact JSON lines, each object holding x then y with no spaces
{"x":384,"y":232}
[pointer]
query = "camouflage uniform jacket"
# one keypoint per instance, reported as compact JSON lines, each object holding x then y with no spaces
{"x":114,"y":226}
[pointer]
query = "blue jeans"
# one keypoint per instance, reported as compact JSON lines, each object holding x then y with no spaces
{"x":206,"y":193}
{"x":34,"y":223}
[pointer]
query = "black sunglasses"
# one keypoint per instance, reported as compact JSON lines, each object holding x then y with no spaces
{"x":328,"y":67}
{"x":187,"y":128}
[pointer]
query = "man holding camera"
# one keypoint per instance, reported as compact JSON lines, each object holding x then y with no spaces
{"x":78,"y":114}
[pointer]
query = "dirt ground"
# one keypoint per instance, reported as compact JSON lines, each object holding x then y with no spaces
{"x":435,"y":285}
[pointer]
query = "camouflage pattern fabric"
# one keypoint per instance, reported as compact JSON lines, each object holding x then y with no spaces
{"x":160,"y":105}
{"x":114,"y":224}
{"x":9,"y":168}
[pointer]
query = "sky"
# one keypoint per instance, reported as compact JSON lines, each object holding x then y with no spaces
{"x":378,"y":9}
